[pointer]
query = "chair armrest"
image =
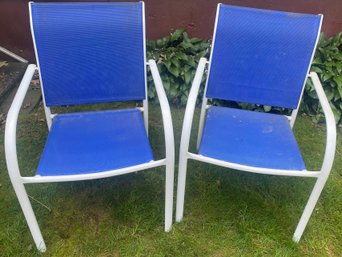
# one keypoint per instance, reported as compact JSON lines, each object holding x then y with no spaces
{"x":190,"y":108}
{"x":330,"y":123}
{"x":11,"y":124}
{"x":166,"y":113}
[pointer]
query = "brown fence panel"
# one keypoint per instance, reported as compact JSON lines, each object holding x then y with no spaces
{"x":163,"y":16}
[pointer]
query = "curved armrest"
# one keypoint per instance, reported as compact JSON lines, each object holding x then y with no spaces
{"x":330,"y":123}
{"x":11,"y":124}
{"x":166,"y":113}
{"x":190,"y":108}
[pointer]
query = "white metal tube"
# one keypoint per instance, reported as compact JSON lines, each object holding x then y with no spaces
{"x":259,"y":170}
{"x":169,"y":143}
{"x":330,"y":123}
{"x":205,"y":99}
{"x":97,"y":175}
{"x":293,"y":117}
{"x":13,"y":55}
{"x":328,"y":160}
{"x":185,"y":138}
{"x":11,"y":121}
{"x":12,"y":159}
{"x":145,"y":102}
{"x":295,"y":111}
{"x":47,"y":109}
{"x":201,"y":121}
{"x":145,"y":113}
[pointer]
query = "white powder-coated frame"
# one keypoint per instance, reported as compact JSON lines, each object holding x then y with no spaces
{"x":185,"y":155}
{"x":18,"y":181}
{"x":321,"y":175}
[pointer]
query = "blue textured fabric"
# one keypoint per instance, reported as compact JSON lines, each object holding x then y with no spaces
{"x":261,"y":56}
{"x":90,"y":52}
{"x":250,"y":138}
{"x":89,"y":142}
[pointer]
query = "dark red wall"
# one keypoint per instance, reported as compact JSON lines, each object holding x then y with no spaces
{"x":163,"y":16}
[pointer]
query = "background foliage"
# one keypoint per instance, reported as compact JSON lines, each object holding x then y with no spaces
{"x":327,"y":64}
{"x":177,"y":57}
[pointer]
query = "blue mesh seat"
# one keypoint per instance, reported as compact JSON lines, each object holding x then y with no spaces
{"x":89,"y":53}
{"x":250,"y":138}
{"x":257,"y":57}
{"x":88,"y":142}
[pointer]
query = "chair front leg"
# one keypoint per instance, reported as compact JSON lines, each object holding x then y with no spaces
{"x":169,"y":178}
{"x":12,"y":160}
{"x":183,"y":163}
{"x":169,"y":144}
{"x":316,"y":192}
{"x":327,"y":161}
{"x":29,"y":215}
{"x":185,"y":138}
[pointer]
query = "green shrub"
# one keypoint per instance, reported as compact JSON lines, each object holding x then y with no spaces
{"x":327,"y":64}
{"x":177,"y":58}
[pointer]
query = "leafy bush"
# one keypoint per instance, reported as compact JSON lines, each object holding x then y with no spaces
{"x":177,"y":58}
{"x":327,"y":64}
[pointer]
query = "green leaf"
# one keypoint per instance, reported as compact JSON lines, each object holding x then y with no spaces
{"x":166,"y":85}
{"x":174,"y":71}
{"x":184,"y":99}
{"x":167,"y":64}
{"x":151,"y":92}
{"x":159,"y":43}
{"x":339,"y":88}
{"x":316,"y":61}
{"x":337,"y":113}
{"x":187,"y":77}
{"x":185,"y":45}
{"x":173,"y":91}
{"x":176,"y":35}
{"x":185,"y":37}
{"x":338,"y":81}
{"x":329,"y":93}
{"x":316,"y":69}
{"x":267,"y":108}
{"x":195,"y":40}
{"x":326,"y":76}
{"x":181,"y":56}
{"x":175,"y":62}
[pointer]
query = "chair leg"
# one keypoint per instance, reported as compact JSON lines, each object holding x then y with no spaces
{"x":183,"y":161}
{"x":169,"y":196}
{"x":309,"y":208}
{"x":29,"y":216}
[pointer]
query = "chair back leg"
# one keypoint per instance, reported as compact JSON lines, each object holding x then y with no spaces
{"x":201,"y":121}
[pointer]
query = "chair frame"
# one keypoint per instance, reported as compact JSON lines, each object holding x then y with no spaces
{"x":19,"y":181}
{"x":184,"y":153}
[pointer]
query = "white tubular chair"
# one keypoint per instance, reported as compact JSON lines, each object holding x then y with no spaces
{"x":256,"y":59}
{"x":90,"y":53}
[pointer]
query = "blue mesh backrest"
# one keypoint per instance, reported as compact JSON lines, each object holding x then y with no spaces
{"x":261,"y":56}
{"x":90,"y":52}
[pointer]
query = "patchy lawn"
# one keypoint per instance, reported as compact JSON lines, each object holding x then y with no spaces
{"x":227,"y":213}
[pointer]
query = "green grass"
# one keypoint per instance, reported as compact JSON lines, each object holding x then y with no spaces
{"x":227,"y":213}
